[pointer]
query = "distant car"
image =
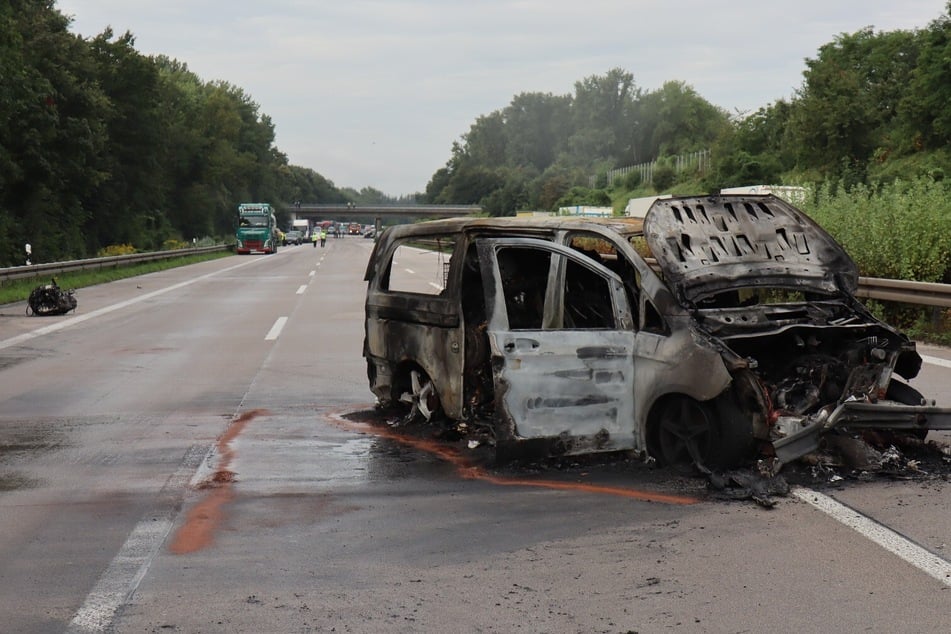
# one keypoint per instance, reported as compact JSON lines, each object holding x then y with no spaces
{"x":293,"y":237}
{"x":370,"y":233}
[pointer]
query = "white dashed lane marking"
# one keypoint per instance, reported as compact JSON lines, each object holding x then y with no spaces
{"x":276,"y":329}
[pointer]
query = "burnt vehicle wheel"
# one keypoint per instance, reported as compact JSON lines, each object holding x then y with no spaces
{"x":684,"y":433}
{"x":421,"y":397}
{"x":687,"y":433}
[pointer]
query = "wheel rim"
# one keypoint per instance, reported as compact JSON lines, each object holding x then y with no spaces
{"x":421,"y":398}
{"x":684,"y":433}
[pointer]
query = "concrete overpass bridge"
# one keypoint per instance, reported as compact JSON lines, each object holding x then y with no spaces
{"x":376,"y":214}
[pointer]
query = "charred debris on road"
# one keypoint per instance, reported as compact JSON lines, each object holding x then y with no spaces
{"x":840,"y":460}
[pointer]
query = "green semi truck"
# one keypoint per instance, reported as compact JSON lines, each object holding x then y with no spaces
{"x":257,"y":229}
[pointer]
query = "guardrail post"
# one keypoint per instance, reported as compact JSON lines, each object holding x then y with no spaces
{"x":936,"y":317}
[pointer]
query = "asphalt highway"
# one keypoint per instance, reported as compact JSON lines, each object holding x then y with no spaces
{"x":196,"y":451}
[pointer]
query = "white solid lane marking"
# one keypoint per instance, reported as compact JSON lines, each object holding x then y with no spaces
{"x":301,"y":289}
{"x":276,"y":329}
{"x":39,"y":332}
{"x":897,"y":544}
{"x":944,"y":363}
{"x":312,"y":274}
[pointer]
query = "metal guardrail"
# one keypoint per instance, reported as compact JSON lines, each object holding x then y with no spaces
{"x":924,"y":293}
{"x":93,"y":264}
{"x":343,"y":210}
{"x":903,"y":291}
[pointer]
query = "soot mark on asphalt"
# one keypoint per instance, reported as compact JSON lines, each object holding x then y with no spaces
{"x":15,"y":481}
{"x":367,"y":422}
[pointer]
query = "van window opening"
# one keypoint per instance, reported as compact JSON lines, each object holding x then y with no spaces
{"x":421,"y":266}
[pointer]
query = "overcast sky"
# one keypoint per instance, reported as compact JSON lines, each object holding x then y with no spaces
{"x":374,"y":92}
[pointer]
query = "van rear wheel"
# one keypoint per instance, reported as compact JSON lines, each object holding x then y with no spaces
{"x":421,"y":397}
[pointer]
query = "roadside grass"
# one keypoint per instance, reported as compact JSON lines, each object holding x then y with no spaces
{"x":19,"y":290}
{"x":933,"y":329}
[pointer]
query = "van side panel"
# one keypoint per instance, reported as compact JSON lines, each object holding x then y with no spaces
{"x":394,"y":346}
{"x":406,"y":330}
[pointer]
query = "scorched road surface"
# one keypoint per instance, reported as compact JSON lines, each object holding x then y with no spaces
{"x":195,"y":451}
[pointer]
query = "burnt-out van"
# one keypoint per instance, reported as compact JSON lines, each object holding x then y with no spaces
{"x":717,"y":328}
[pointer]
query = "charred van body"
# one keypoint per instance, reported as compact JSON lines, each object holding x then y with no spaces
{"x":719,"y":327}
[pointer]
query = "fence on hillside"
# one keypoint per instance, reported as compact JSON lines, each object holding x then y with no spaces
{"x":698,"y":162}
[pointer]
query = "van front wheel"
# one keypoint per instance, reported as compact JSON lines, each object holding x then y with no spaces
{"x":684,"y":430}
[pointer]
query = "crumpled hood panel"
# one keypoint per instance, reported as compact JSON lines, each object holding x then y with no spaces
{"x":708,"y":244}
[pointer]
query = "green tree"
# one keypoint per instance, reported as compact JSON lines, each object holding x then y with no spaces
{"x":536,"y":128}
{"x":753,"y":151}
{"x":485,"y":143}
{"x":470,"y":184}
{"x":135,"y":178}
{"x":602,"y":119}
{"x":367,"y":196}
{"x":53,"y":132}
{"x":223,"y":155}
{"x":675,"y":119}
{"x":763,"y":133}
{"x":104,"y":145}
{"x":923,"y":109}
{"x":438,"y":183}
{"x":551,"y":185}
{"x":850,"y":97}
{"x":511,"y":197}
{"x":306,"y":185}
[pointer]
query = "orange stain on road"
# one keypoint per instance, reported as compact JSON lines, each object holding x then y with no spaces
{"x":469,"y":471}
{"x":204,"y":518}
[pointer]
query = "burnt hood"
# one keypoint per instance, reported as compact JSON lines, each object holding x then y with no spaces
{"x":708,"y":244}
